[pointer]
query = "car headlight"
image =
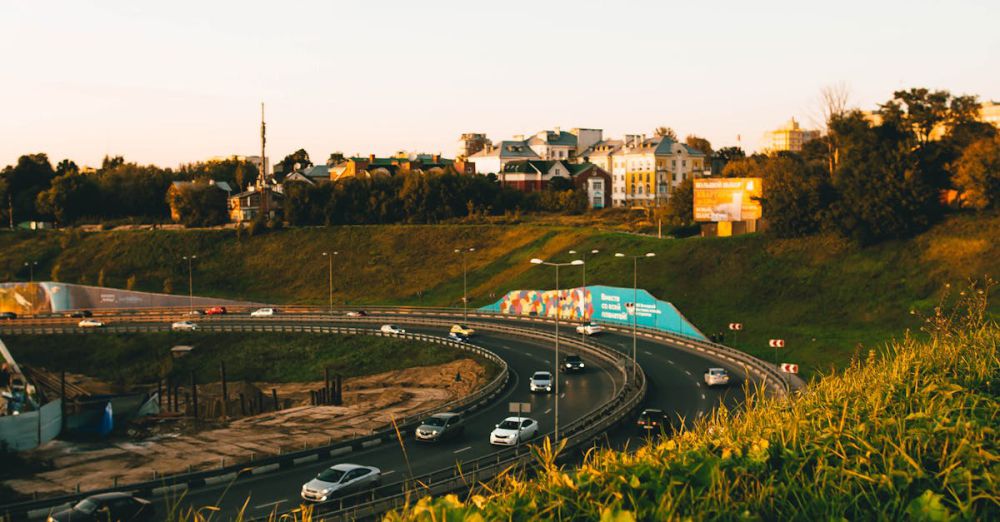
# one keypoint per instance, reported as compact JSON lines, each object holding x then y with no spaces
{"x":548,"y":388}
{"x":582,"y":365}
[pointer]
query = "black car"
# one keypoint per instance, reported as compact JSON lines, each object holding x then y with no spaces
{"x":7,"y":316}
{"x":573,"y":363}
{"x":653,"y":420}
{"x":81,"y":314}
{"x":117,"y":507}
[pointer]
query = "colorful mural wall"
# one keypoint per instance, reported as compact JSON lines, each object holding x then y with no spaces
{"x":606,"y":304}
{"x":48,"y":297}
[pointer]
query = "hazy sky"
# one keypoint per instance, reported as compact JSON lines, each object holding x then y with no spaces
{"x":174,"y":82}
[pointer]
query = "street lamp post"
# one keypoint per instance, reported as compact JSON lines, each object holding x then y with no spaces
{"x":465,"y":283}
{"x":584,"y":253}
{"x":635,"y":306}
{"x":31,"y":270}
{"x":329,"y":258}
{"x":189,"y":260}
{"x":555,"y":367}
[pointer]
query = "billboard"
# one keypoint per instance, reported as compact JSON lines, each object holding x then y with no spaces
{"x":727,"y":199}
{"x":48,"y":297}
{"x":607,"y":304}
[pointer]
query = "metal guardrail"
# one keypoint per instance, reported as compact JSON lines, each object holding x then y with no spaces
{"x":29,"y":509}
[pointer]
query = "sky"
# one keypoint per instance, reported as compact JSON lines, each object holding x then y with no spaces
{"x":176,"y":82}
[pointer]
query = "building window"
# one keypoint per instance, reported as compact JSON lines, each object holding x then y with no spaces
{"x":673,"y":163}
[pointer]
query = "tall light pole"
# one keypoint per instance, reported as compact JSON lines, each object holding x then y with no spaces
{"x":329,"y":258}
{"x":555,"y":366}
{"x":635,"y":305}
{"x":31,"y":270}
{"x":190,"y":259}
{"x":465,"y":283}
{"x":584,"y":253}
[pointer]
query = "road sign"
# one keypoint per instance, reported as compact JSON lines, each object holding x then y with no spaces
{"x":735,"y":326}
{"x":789,"y":368}
{"x":520,"y":407}
{"x":776,"y":343}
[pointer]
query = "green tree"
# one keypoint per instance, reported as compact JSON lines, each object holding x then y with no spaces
{"x":70,"y":197}
{"x":292,"y":162}
{"x":978,"y":174}
{"x":24,"y":181}
{"x":700,"y":144}
{"x":199,"y":205}
{"x":665,"y":132}
{"x":679,"y":209}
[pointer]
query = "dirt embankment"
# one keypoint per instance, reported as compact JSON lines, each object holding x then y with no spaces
{"x":177,"y":446}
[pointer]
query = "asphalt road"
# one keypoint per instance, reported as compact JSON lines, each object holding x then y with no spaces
{"x":580,"y":393}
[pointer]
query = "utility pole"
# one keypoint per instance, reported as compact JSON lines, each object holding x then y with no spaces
{"x":263,"y":143}
{"x":10,"y":210}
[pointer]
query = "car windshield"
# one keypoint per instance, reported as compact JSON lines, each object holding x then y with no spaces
{"x":509,"y":425}
{"x":86,"y":506}
{"x":434,"y":421}
{"x":542,"y":376}
{"x":718,"y":372}
{"x":652,"y":413}
{"x":573,"y":358}
{"x":330,"y":475}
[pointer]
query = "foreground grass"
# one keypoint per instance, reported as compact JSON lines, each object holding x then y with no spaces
{"x":830,"y":300}
{"x":911,"y":435}
{"x":128,"y":359}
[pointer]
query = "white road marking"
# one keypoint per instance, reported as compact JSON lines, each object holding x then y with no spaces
{"x":699,"y":384}
{"x":390,"y":472}
{"x":687,"y":372}
{"x":647,"y":352}
{"x":269,"y":504}
{"x":547,"y":411}
{"x":562,"y":395}
{"x":703,"y":396}
{"x":529,"y":354}
{"x":671,"y":361}
{"x":463,"y":449}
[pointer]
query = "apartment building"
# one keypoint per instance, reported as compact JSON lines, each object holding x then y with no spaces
{"x":644,"y":169}
{"x":789,"y":137}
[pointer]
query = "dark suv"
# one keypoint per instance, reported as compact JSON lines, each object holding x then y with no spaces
{"x":573,"y":363}
{"x":652,"y":420}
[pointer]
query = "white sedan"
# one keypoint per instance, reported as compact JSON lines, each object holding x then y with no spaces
{"x":90,"y":323}
{"x":513,"y":430}
{"x":540,"y":382}
{"x":263,"y":312}
{"x":339,"y":480}
{"x":589,"y":329}
{"x":716,"y":377}
{"x":391,"y":329}
{"x":184,"y":326}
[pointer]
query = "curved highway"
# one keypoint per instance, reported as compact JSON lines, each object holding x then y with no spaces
{"x":674,"y":380}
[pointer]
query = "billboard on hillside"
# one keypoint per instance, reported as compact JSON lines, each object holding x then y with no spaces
{"x":727,"y":199}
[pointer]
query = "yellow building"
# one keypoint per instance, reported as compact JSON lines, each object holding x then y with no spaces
{"x":788,"y":137}
{"x":989,"y":112}
{"x":650,"y":167}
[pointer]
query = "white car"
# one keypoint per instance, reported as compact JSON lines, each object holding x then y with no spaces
{"x":388,"y":328}
{"x":183,"y":326}
{"x":716,"y":377}
{"x":90,"y":323}
{"x":514,"y":430}
{"x":541,"y":382}
{"x":263,"y":312}
{"x":589,"y":329}
{"x":339,"y":480}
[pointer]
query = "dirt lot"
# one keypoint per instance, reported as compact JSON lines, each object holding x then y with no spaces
{"x":369,"y":403}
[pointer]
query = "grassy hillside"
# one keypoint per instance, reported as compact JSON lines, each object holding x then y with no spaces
{"x":911,"y":436}
{"x":824,"y":296}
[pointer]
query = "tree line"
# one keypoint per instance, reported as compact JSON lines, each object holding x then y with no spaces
{"x":874,"y":178}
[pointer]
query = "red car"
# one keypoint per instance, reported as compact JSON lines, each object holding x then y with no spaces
{"x":216,"y":310}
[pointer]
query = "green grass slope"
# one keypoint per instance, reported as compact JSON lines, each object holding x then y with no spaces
{"x":827,"y":298}
{"x":912,"y":435}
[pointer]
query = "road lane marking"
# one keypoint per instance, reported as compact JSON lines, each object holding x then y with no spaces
{"x":390,"y":472}
{"x":671,"y":361}
{"x":529,"y":354}
{"x":687,"y":372}
{"x":703,"y":396}
{"x":547,"y":411}
{"x":647,"y":352}
{"x":463,"y":449}
{"x":562,"y":395}
{"x":269,"y":504}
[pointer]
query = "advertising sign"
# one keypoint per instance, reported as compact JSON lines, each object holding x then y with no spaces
{"x":607,"y":304}
{"x":727,"y":199}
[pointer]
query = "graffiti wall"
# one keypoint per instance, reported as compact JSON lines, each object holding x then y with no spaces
{"x":606,"y":304}
{"x":48,"y":297}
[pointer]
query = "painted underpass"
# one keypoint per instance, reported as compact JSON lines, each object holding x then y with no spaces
{"x":605,"y":304}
